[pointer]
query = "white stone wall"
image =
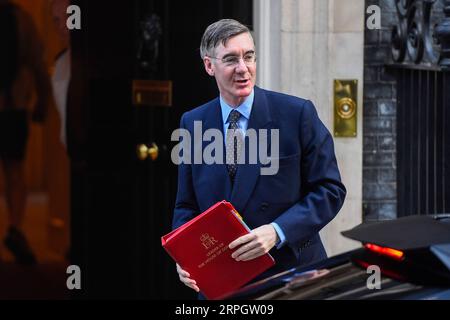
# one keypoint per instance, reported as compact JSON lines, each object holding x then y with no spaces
{"x":302,"y":46}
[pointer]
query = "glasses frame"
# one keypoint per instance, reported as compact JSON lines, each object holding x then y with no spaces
{"x":236,"y":63}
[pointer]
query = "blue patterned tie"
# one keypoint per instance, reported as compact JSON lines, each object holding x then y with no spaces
{"x":233,"y":143}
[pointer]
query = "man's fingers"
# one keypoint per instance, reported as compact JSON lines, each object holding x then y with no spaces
{"x":190,"y":281}
{"x":181,"y":272}
{"x":250,"y":255}
{"x":184,"y":274}
{"x":191,"y":284}
{"x":195,"y":288}
{"x":244,"y":248}
{"x":185,"y":278}
{"x":241,"y":240}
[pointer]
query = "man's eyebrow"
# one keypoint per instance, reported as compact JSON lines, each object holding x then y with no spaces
{"x":231,"y":54}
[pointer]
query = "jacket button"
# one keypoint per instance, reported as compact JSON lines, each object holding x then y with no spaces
{"x":264,"y":205}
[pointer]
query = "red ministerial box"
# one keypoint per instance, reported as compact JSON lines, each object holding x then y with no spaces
{"x":200,"y":246}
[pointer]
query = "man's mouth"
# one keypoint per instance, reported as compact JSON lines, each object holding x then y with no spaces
{"x":244,"y":81}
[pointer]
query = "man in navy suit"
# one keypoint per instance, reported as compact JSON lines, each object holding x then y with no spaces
{"x":285,"y":209}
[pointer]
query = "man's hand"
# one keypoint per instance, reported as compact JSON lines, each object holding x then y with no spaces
{"x":258,"y":242}
{"x":185,"y":278}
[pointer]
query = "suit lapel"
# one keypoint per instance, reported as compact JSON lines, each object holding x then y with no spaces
{"x":247,"y":174}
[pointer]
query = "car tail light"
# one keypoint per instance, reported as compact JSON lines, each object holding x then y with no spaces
{"x":392,"y":253}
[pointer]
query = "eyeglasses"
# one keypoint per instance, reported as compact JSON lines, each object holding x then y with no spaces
{"x":233,"y":61}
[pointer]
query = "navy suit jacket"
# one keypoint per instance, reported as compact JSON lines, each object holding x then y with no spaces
{"x":304,"y":195}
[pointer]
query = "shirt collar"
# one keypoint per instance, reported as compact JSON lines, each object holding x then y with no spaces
{"x":244,"y":108}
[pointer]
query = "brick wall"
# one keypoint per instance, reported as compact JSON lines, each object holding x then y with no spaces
{"x":379,"y":155}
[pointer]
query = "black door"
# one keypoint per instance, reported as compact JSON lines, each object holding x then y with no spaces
{"x":121,"y":202}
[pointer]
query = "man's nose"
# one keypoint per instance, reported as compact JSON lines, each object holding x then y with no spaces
{"x":241,"y":66}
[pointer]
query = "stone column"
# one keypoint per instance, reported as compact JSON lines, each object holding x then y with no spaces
{"x":319,"y":41}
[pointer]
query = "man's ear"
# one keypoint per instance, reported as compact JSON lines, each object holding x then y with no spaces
{"x":208,"y":66}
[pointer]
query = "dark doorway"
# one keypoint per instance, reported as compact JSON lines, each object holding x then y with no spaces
{"x":122,"y":205}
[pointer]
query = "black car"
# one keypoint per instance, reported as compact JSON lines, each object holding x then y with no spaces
{"x":407,"y":258}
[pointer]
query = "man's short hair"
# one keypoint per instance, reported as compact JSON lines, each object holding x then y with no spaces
{"x":219,"y":32}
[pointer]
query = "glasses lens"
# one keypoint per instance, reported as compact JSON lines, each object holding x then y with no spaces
{"x":233,"y":61}
{"x":249,"y":58}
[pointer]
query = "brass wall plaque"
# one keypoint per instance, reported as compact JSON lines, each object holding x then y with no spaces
{"x":152,"y":93}
{"x":345,"y":107}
